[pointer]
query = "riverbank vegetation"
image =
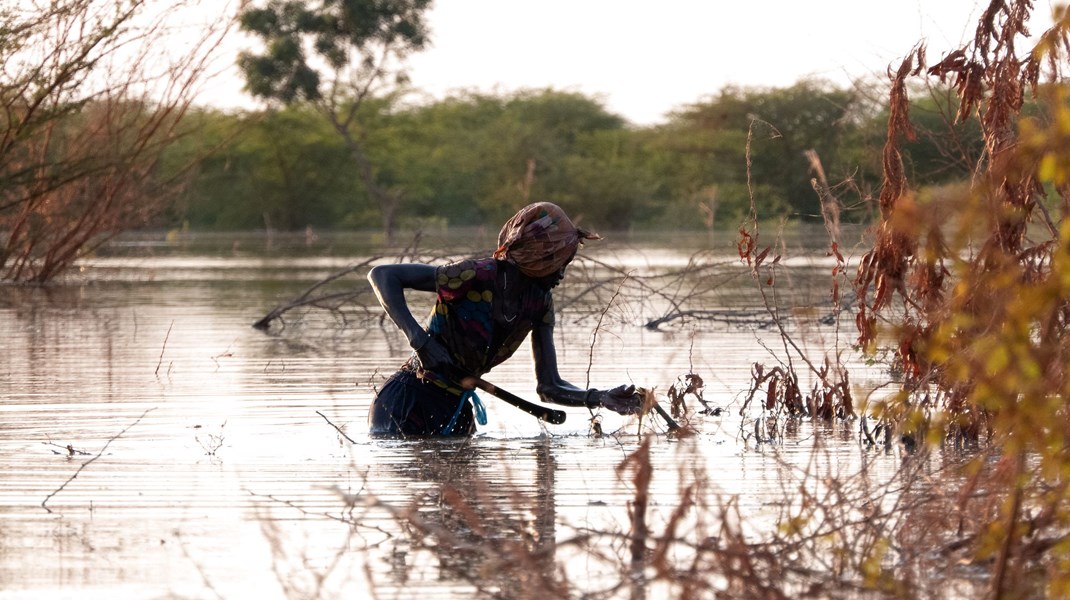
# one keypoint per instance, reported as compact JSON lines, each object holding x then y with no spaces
{"x":973,"y":294}
{"x":91,"y":107}
{"x":967,"y":291}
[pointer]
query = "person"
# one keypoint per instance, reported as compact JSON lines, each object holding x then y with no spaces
{"x":484,"y":310}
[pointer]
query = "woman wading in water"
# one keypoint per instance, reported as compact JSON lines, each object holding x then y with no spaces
{"x":485,"y":309}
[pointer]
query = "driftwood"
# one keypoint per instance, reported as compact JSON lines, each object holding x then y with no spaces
{"x":335,"y":301}
{"x":329,"y":301}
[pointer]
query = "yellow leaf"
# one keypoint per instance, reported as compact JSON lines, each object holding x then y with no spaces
{"x":997,"y":360}
{"x":1048,"y":168}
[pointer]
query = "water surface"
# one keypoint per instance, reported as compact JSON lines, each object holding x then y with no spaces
{"x":204,"y":465}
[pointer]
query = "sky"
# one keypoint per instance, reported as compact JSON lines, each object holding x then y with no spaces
{"x":645,"y":59}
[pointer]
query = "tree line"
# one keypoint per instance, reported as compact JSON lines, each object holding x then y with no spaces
{"x":473,"y":158}
{"x":100,"y":133}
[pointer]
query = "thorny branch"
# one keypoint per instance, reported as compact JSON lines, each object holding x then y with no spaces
{"x":89,"y":114}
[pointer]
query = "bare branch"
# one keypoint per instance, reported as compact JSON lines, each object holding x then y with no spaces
{"x":91,"y":460}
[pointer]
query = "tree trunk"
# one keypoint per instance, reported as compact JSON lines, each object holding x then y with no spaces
{"x":388,"y":203}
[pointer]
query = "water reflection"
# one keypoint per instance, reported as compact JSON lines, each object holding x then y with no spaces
{"x":485,"y":510}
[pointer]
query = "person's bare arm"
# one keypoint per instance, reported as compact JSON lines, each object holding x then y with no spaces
{"x":552,"y":388}
{"x":389,"y":283}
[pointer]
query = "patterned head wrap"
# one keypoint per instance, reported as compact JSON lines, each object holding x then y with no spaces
{"x":540,"y":239}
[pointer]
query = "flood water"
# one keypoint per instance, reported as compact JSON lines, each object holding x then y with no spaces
{"x":155,"y":445}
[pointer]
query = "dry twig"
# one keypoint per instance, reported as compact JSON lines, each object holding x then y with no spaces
{"x":91,"y":460}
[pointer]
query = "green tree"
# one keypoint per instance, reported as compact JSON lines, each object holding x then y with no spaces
{"x":336,"y":56}
{"x":699,"y":166}
{"x":606,"y":181}
{"x":528,"y":146}
{"x":475,"y":158}
{"x":284,"y":169}
{"x":438,"y":153}
{"x":778,"y":126}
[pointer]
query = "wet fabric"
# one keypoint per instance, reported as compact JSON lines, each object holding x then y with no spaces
{"x":484,"y":310}
{"x":409,"y":406}
{"x":540,"y":239}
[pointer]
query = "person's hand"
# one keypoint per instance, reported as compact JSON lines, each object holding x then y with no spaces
{"x":434,"y":356}
{"x":621,"y":399}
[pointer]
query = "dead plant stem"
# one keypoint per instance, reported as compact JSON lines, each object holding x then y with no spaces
{"x":164,"y":347}
{"x":90,"y":461}
{"x":598,"y":326}
{"x":1003,"y":560}
{"x":336,"y":428}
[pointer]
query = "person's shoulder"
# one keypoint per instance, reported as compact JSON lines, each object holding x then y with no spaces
{"x":465,"y":273}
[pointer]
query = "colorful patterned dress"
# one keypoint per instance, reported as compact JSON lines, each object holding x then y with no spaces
{"x":485,"y":309}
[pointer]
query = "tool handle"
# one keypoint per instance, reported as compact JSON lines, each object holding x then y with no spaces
{"x":544,"y":413}
{"x":673,"y":425}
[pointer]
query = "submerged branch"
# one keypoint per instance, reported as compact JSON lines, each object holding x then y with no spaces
{"x":336,"y":428}
{"x":755,"y":318}
{"x":307,"y":299}
{"x":44,"y":502}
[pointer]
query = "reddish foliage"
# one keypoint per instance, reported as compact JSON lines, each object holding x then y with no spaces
{"x":908,"y":261}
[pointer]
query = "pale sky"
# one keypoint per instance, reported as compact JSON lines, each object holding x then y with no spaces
{"x":644,"y":59}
